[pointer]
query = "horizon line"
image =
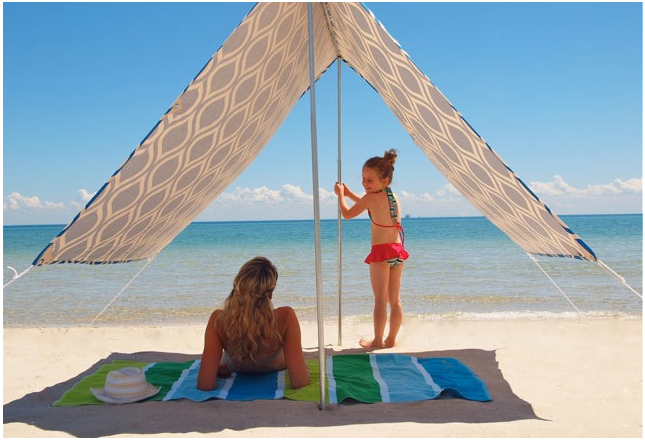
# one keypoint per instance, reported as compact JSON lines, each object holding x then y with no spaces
{"x":335,"y":219}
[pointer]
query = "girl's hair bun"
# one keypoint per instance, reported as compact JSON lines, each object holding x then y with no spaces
{"x":384,"y":165}
{"x":390,"y":156}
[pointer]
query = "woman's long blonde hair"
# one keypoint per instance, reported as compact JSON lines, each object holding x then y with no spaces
{"x":248,"y":321}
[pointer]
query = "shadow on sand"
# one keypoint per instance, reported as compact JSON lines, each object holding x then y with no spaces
{"x":183,"y":416}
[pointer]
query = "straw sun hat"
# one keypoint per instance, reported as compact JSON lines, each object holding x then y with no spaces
{"x":125,"y":385}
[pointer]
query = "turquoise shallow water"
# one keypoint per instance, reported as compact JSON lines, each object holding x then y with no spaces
{"x":457,"y":266}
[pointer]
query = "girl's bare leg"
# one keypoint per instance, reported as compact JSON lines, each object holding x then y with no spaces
{"x":394,"y":299}
{"x":379,"y":276}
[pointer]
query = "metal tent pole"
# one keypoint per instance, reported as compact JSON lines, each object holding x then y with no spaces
{"x":314,"y":166}
{"x":340,"y":228}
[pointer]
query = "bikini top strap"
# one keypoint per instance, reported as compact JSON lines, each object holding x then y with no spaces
{"x":394,"y":207}
{"x":394,"y":212}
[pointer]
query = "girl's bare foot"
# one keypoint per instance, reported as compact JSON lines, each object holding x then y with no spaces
{"x":371,"y":344}
{"x":388,"y":343}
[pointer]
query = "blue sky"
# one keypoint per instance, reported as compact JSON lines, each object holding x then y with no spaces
{"x":554,"y":88}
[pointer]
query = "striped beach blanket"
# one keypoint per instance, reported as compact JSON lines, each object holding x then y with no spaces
{"x":368,"y":378}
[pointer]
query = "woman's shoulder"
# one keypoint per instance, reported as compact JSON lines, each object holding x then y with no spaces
{"x":215,"y":314}
{"x":285,"y":318}
{"x":217,"y":329}
{"x":212,"y":321}
{"x":284,"y":312}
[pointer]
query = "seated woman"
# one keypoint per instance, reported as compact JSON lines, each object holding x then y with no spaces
{"x":248,"y":335}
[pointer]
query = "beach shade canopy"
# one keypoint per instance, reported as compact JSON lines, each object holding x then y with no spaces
{"x":235,"y":104}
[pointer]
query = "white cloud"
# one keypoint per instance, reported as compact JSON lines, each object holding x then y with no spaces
{"x":261,"y":195}
{"x":292,"y":202}
{"x":252,"y":195}
{"x":327,"y":196}
{"x":16,"y":201}
{"x":288,"y":202}
{"x":445,"y":201}
{"x":85,"y":197}
{"x":406,"y":196}
{"x":294,"y":193}
{"x":558,"y":187}
{"x":448,"y":191}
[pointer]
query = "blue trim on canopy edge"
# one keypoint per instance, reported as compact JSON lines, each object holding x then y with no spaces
{"x":586,"y":247}
{"x":526,"y":187}
{"x":568,"y":230}
{"x":557,"y":255}
{"x":35,"y":262}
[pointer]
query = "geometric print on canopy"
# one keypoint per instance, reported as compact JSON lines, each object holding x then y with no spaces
{"x":445,"y":137}
{"x":230,"y":111}
{"x":210,"y":134}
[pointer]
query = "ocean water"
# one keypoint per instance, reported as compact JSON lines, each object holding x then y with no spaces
{"x":459,"y":267}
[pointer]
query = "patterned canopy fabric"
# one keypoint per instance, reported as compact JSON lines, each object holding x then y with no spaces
{"x":232,"y":108}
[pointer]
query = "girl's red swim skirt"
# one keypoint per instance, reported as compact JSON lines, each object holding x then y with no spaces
{"x":386,"y":251}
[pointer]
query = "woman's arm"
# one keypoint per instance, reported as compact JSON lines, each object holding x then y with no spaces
{"x":292,"y":347}
{"x":207,"y":377}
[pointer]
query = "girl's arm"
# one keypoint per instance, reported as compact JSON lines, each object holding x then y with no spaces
{"x":361,"y":204}
{"x":207,"y":377}
{"x":350,"y":194}
{"x":292,"y":347}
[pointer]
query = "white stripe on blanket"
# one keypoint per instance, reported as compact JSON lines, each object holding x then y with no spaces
{"x":385,"y":393}
{"x":426,"y":376}
{"x":332,"y":380}
{"x":181,"y":379}
{"x":281,"y":385}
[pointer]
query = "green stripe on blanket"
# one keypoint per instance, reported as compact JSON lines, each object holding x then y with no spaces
{"x":80,"y":392}
{"x":311,"y":392}
{"x":165,"y":375}
{"x":368,"y":378}
{"x":351,"y":381}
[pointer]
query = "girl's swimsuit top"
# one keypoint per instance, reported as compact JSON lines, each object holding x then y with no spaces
{"x":394,"y":212}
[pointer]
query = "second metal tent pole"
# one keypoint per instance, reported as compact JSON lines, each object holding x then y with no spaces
{"x":314,"y":167}
{"x":340,"y":229}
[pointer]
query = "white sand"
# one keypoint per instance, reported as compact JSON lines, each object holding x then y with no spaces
{"x":548,"y":378}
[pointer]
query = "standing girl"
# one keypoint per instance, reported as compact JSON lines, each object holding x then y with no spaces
{"x":388,"y":252}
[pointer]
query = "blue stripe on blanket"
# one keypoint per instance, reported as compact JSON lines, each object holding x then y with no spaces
{"x":255,"y":387}
{"x":239,"y":387}
{"x":402,"y":378}
{"x":450,"y":374}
